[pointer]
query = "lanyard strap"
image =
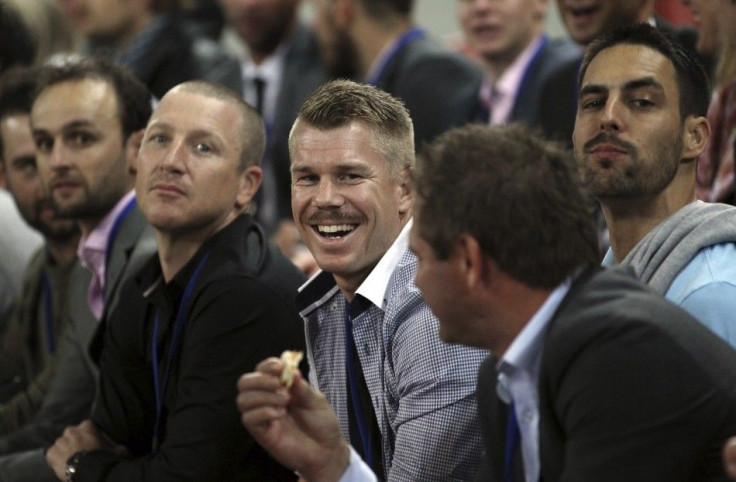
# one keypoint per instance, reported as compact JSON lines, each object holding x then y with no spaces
{"x":408,"y":37}
{"x":48,"y":311}
{"x":159,"y":384}
{"x":512,"y":441}
{"x":357,"y":401}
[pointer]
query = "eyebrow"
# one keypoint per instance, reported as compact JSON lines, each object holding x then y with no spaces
{"x":644,"y":82}
{"x":75,"y":124}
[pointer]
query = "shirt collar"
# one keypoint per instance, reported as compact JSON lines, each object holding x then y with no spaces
{"x":374,"y":287}
{"x":98,"y":238}
{"x":525,"y":351}
{"x":321,"y":287}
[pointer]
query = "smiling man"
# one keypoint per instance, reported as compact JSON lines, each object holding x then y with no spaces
{"x":214,"y":301}
{"x":639,"y":130}
{"x":405,"y":400}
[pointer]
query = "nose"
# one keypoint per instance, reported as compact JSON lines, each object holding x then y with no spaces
{"x":611,"y":115}
{"x":328,"y":194}
{"x":174,"y":157}
{"x":58,"y":157}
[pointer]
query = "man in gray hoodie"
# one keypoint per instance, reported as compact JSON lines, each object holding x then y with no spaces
{"x":639,"y":129}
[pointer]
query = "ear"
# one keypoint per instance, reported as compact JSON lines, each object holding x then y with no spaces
{"x":250,"y":180}
{"x":471,"y":262}
{"x":132,"y":146}
{"x":406,"y":192}
{"x":695,"y":137}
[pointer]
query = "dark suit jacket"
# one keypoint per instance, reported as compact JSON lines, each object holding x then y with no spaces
{"x":440,"y":88}
{"x":559,"y":98}
{"x":303,"y":72}
{"x":70,"y":395}
{"x":631,"y":388}
{"x":553,"y":55}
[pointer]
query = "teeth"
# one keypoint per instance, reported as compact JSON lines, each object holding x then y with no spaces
{"x":335,"y":228}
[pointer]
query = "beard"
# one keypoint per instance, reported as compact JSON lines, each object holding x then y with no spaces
{"x":634,"y":177}
{"x":342,"y":61}
{"x":55,"y":229}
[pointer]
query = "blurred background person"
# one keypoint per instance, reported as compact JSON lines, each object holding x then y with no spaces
{"x":508,"y":38}
{"x":717,"y":25}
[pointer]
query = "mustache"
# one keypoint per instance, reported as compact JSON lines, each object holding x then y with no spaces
{"x":333,"y":217}
{"x":605,"y":138}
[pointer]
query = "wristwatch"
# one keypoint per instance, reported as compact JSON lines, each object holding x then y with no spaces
{"x":72,"y":465}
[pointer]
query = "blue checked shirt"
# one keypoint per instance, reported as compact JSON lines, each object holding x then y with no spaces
{"x":422,"y":390}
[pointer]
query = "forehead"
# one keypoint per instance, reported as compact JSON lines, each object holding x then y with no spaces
{"x":622,"y":63}
{"x":15,"y":130}
{"x":352,"y":142}
{"x":191,"y":112}
{"x":90,"y":100}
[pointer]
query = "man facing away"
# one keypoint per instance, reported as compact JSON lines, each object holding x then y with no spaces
{"x":376,"y":42}
{"x":404,"y":399}
{"x":593,"y":376}
{"x":518,"y":57}
{"x":212,"y":302}
{"x":87,"y":121}
{"x":28,"y":350}
{"x":639,"y":130}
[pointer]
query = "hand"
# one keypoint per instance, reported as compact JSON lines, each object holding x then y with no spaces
{"x":84,"y":436}
{"x":729,"y":457}
{"x":297,"y":426}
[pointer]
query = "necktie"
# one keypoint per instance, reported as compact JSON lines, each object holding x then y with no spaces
{"x":260,"y":85}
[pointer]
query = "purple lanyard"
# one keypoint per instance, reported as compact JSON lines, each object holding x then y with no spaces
{"x":512,"y":440}
{"x":159,"y":384}
{"x":408,"y":37}
{"x":48,"y":303}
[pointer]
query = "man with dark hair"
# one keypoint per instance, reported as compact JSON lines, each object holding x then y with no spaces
{"x":640,"y":127}
{"x":213,"y":301}
{"x":87,"y":120}
{"x":281,"y":66}
{"x":593,"y":377}
{"x":375,"y":41}
{"x":585,"y":21}
{"x":404,"y":400}
{"x":28,"y":352}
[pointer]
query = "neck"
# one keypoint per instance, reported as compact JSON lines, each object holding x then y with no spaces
{"x":63,"y":251}
{"x":373,"y":37}
{"x":496,"y":65}
{"x":176,"y":249}
{"x":258,"y":56}
{"x":629,"y":220}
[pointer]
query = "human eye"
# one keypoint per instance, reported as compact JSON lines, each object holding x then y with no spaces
{"x":203,"y":148}
{"x":43,"y":143}
{"x":350,"y":177}
{"x":591,"y":103}
{"x":79,"y":139}
{"x":642,"y":103}
{"x":26,"y":166}
{"x":305,"y":178}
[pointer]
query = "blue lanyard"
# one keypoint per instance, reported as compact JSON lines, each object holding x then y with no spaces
{"x":512,"y":440}
{"x":159,"y":384}
{"x":114,"y":232}
{"x":408,"y":37}
{"x":357,"y":401}
{"x":48,"y":302}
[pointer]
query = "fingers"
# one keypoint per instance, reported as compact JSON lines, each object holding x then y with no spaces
{"x":729,"y":457}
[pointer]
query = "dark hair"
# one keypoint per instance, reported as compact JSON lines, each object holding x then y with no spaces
{"x":254,"y":130}
{"x":134,"y":99}
{"x":17,"y":45}
{"x":692,"y":81}
{"x":16,"y":94}
{"x":380,"y":9}
{"x":341,"y":102}
{"x":516,"y":194}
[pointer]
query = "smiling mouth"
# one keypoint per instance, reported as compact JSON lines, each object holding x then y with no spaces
{"x":334,"y":231}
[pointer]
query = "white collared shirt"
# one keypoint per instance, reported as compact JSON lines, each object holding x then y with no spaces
{"x":519,"y":373}
{"x":374,"y":287}
{"x":271,"y":71}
